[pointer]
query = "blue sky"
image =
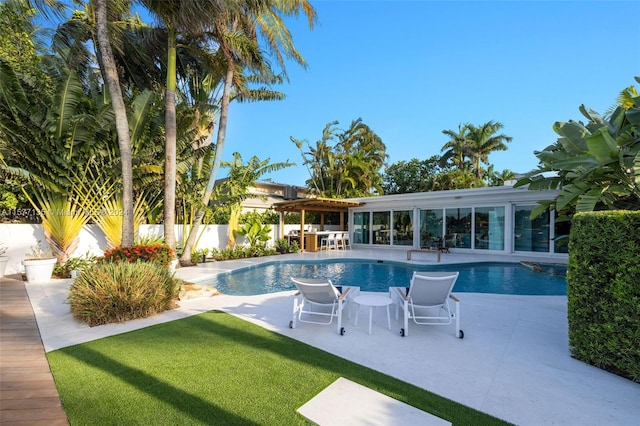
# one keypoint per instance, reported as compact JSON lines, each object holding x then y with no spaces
{"x":411,"y":69}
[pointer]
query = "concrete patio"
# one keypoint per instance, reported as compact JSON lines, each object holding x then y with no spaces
{"x":513,"y":363}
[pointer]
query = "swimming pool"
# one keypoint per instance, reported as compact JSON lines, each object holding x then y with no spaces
{"x":371,"y":275}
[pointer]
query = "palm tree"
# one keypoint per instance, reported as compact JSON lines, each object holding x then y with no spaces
{"x":236,"y":32}
{"x":482,"y":141}
{"x":110,"y":75}
{"x":351,"y":168}
{"x":456,"y":150}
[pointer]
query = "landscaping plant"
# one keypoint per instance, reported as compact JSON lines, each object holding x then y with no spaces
{"x":160,"y":254}
{"x":112,"y":292}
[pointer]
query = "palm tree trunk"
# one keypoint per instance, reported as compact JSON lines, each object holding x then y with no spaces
{"x":110,"y":75}
{"x":170,"y":145}
{"x":222,"y":131}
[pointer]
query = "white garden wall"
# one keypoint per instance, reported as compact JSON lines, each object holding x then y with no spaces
{"x":19,"y":238}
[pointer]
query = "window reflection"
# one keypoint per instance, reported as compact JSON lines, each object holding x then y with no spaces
{"x":458,"y":228}
{"x":430,"y":228}
{"x":361,"y":228}
{"x":489,"y":228}
{"x":528,"y":234}
{"x":382,"y":227}
{"x":402,"y":228}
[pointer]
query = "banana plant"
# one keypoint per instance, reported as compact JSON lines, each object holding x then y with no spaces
{"x":595,"y":166}
{"x":255,"y":232}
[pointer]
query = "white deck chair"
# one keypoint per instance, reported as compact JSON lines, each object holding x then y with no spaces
{"x":322,"y":295}
{"x":427,"y":300}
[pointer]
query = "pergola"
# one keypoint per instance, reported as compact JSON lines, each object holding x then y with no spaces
{"x":315,"y":205}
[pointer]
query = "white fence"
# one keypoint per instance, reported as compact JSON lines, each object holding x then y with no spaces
{"x":20,"y":238}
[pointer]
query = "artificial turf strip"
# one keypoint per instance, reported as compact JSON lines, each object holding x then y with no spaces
{"x":215,"y":369}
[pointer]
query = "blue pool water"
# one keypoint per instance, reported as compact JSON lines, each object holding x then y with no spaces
{"x":497,"y":278}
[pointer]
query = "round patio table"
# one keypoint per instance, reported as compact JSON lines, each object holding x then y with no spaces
{"x":372,"y":301}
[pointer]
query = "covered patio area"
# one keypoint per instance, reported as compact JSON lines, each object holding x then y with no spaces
{"x":309,"y":237}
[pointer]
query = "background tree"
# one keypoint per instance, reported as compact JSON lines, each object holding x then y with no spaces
{"x":482,"y":141}
{"x":596,"y":166}
{"x":410,"y":176}
{"x":467,"y":153}
{"x":235,"y":188}
{"x":349,"y":168}
{"x":456,"y":150}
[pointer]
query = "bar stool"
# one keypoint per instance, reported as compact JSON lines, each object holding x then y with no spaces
{"x":346,"y":242}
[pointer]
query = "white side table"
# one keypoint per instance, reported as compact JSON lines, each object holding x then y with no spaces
{"x":372,"y":300}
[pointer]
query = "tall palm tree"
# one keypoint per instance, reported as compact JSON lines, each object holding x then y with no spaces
{"x":482,"y":141}
{"x":110,"y":75}
{"x":236,"y":32}
{"x":456,"y":150}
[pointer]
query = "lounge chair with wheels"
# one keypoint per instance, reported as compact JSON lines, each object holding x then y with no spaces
{"x":426,"y":300}
{"x":318,"y":301}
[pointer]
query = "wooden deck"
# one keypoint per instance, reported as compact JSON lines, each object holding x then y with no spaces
{"x":28,"y":394}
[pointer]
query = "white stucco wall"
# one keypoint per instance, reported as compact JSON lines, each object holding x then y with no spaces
{"x":19,"y":238}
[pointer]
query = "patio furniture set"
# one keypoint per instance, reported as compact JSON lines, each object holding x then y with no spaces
{"x":426,"y":301}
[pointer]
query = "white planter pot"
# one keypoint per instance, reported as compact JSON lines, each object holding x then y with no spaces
{"x":3,"y":264}
{"x":39,"y":270}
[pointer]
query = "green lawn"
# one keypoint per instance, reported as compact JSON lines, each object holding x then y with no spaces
{"x":216,"y":369}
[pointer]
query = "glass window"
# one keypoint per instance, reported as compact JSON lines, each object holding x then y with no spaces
{"x":458,"y":228}
{"x":361,"y":228}
{"x":489,"y":228}
{"x":403,"y":228}
{"x":561,"y":235}
{"x":382,"y":227}
{"x":530,"y":235}
{"x":430,"y":228}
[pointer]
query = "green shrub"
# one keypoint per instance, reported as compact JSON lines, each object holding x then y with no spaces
{"x":112,"y":292}
{"x":604,"y":291}
{"x":79,"y":263}
{"x":197,"y":256}
{"x":160,"y":254}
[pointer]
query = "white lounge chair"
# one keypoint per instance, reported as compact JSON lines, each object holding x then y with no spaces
{"x":322,"y":299}
{"x":426,"y":301}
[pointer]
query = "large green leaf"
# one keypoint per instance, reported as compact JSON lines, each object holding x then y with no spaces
{"x":575,"y":134}
{"x":587,"y":202}
{"x":66,"y":100}
{"x":602,"y":146}
{"x":139,"y":115}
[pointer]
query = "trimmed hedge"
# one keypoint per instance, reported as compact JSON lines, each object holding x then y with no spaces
{"x":112,"y":292}
{"x":603,"y":291}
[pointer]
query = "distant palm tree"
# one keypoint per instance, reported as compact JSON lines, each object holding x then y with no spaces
{"x":456,"y":150}
{"x":482,"y":141}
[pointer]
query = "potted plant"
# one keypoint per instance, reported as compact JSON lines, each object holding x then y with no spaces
{"x":3,"y":259}
{"x":282,"y":245}
{"x":39,"y":264}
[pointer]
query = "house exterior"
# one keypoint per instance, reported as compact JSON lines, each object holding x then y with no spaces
{"x":264,"y":194}
{"x":478,"y":220}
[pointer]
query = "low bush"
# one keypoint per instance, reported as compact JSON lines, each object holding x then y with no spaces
{"x":160,"y":254}
{"x":112,"y":292}
{"x":77,"y":263}
{"x":242,"y":252}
